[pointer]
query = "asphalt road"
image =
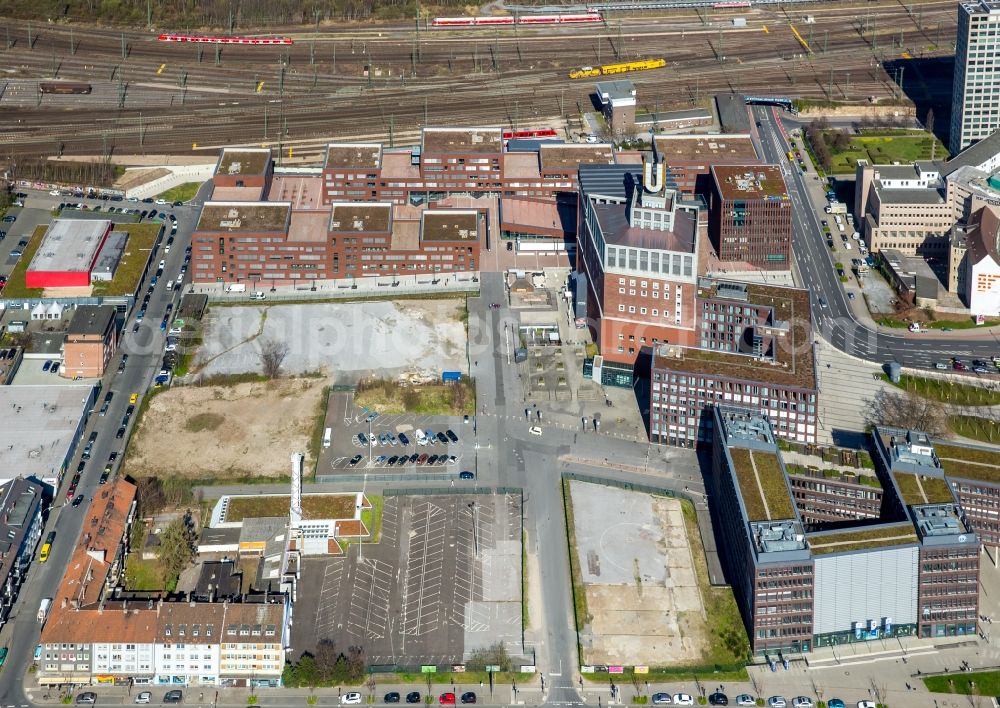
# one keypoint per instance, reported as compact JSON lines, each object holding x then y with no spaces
{"x":144,"y":349}
{"x":833,"y":318}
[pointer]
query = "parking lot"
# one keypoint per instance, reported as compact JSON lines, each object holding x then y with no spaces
{"x":397,"y":448}
{"x":443,"y":580}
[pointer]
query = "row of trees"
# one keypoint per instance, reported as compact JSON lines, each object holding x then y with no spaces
{"x":826,"y":141}
{"x":97,"y":174}
{"x":327,"y":666}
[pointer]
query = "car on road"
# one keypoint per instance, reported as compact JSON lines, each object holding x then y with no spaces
{"x":422,"y":459}
{"x":392,"y":460}
{"x":120,"y":433}
{"x":371,"y":416}
{"x":468,"y":697}
{"x":47,"y":365}
{"x":661,"y":699}
{"x":745,"y":699}
{"x":466,"y":474}
{"x":535,"y":430}
{"x":718,"y":699}
{"x":683,"y":699}
{"x":403,"y":459}
{"x":144,"y":697}
{"x":866,"y":704}
{"x":403,"y":440}
{"x":776,"y":702}
{"x":822,"y":302}
{"x":379,"y":460}
{"x":960,"y":366}
{"x":350,"y":699}
{"x":835,"y":703}
{"x":442,"y":438}
{"x":133,"y":398}
{"x":363,"y":439}
{"x":392,"y":697}
{"x":850,"y":296}
{"x":432,"y":460}
{"x":802,"y":702}
{"x":451,"y":435}
{"x":354,"y":460}
{"x":413,"y":697}
{"x":447,"y":699}
{"x":174,"y":696}
{"x":86,"y":697}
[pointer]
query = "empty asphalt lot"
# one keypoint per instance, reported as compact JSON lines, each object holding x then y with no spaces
{"x":422,"y":595}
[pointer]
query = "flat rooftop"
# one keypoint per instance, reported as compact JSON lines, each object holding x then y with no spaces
{"x":39,"y":423}
{"x":91,"y":320}
{"x":916,"y":195}
{"x":537,"y":214}
{"x":461,"y":141}
{"x":762,"y":485}
{"x":308,"y":226}
{"x":862,"y":539}
{"x":520,"y":165}
{"x":243,"y":161}
{"x":301,"y":191}
{"x":749,"y":181}
{"x":70,"y":245}
{"x":314,"y":506}
{"x":569,"y":156}
{"x":246,"y":217}
{"x":361,"y":217}
{"x":711,"y":149}
{"x":922,"y":489}
{"x":966,"y":462}
{"x":449,"y":225}
{"x":354,"y":156}
{"x":793,"y":363}
{"x":399,"y":165}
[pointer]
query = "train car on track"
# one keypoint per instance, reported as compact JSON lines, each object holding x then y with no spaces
{"x":528,"y":134}
{"x":62,"y":87}
{"x":609,"y":69}
{"x":734,"y":3}
{"x":209,"y":39}
{"x":558,"y":19}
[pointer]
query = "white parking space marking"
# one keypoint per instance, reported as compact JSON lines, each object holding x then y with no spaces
{"x":425,"y":562}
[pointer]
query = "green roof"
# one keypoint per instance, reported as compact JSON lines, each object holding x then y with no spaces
{"x":762,"y":485}
{"x":862,"y":539}
{"x":967,"y":462}
{"x":922,"y":489}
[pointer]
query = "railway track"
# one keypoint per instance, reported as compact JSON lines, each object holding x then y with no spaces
{"x":455,"y":77}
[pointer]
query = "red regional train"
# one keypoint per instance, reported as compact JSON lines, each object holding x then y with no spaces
{"x":563,"y":19}
{"x":541,"y":133}
{"x":223,"y":40}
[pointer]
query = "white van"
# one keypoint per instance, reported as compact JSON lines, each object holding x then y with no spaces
{"x":257,"y":295}
{"x":421,"y":436}
{"x":170,"y":285}
{"x":327,"y":435}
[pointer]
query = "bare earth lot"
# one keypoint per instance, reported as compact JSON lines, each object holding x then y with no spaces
{"x":638,"y":572}
{"x":223,"y":431}
{"x":345,"y":340}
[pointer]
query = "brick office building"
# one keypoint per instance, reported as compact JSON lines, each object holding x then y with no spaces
{"x":918,"y":558}
{"x":242,"y":174}
{"x":750,"y":216}
{"x":690,"y":158}
{"x":753,"y":347}
{"x":91,"y":340}
{"x":468,"y":161}
{"x":639,"y":249}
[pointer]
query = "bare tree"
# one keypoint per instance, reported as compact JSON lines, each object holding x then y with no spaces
{"x":272,"y":356}
{"x":929,"y":121}
{"x":902,"y":409}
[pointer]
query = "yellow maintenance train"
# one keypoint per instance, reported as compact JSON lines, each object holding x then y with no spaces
{"x":608,"y":69}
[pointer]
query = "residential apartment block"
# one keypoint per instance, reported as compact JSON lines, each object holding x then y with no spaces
{"x":95,"y":635}
{"x":690,"y":158}
{"x":975,"y":102}
{"x":918,"y":556}
{"x":91,"y":340}
{"x":750,"y":216}
{"x":753,"y":348}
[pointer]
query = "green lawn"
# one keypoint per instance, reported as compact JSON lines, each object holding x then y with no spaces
{"x":886,"y":149}
{"x":389,"y":396}
{"x":142,"y":575}
{"x":987,"y":683}
{"x":975,"y":428}
{"x":181,"y":193}
{"x":948,"y":392}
